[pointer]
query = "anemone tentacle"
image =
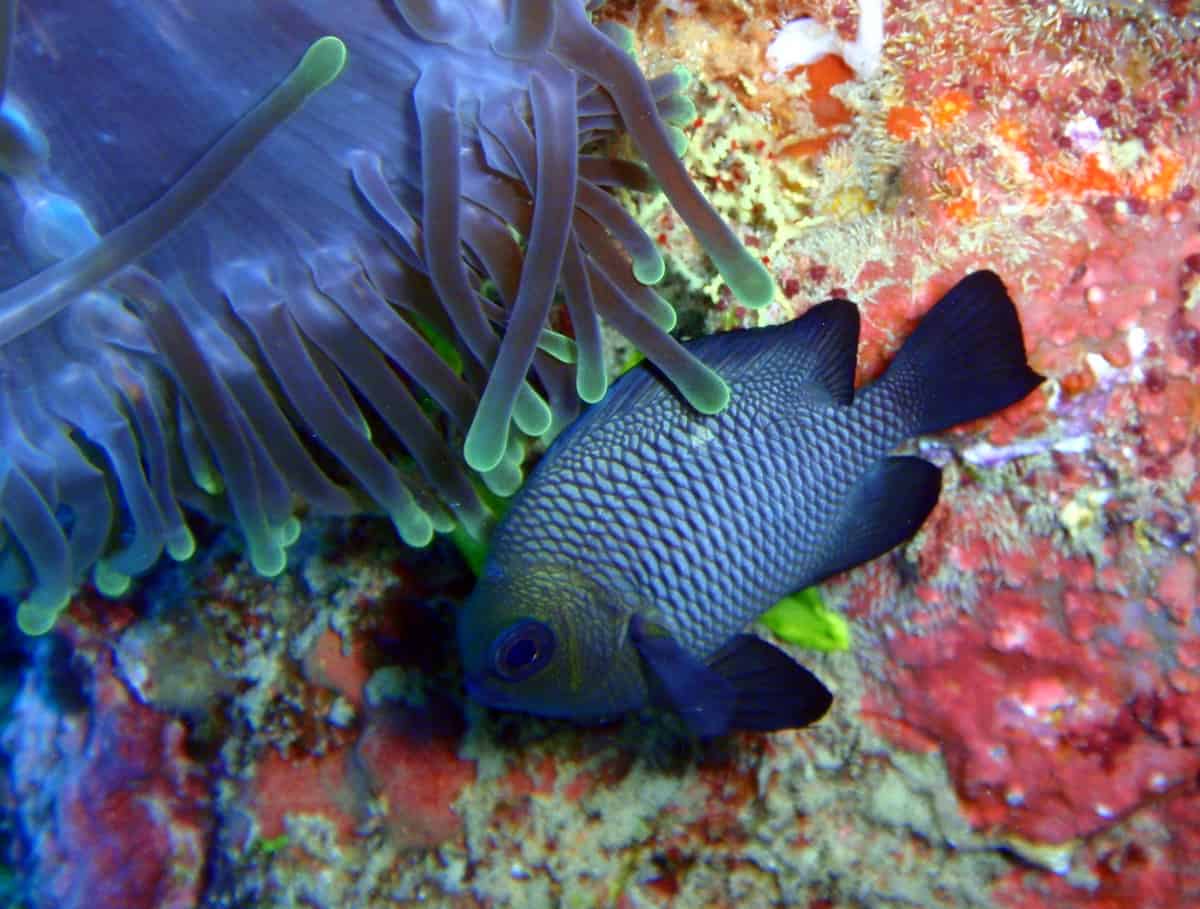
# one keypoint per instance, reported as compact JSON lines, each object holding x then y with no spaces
{"x":343,"y":307}
{"x":554,"y":180}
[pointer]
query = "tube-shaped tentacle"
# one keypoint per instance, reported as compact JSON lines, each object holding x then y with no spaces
{"x":436,"y":99}
{"x":81,"y":494}
{"x":367,"y":171}
{"x":216,"y":413}
{"x":587,"y":49}
{"x":406,"y":349}
{"x":28,"y":305}
{"x":602,"y":252}
{"x":648,"y":263}
{"x":252,"y":406}
{"x":246,"y":290}
{"x":557,"y":377}
{"x":36,"y":526}
{"x":610,"y":173}
{"x":492,"y":244}
{"x":676,"y":109}
{"x":356,"y":358}
{"x":77,"y":396}
{"x":141,"y":401}
{"x":437,"y":21}
{"x":530,"y":28}
{"x":554,"y":201}
{"x":703,"y":388}
{"x":305,"y":385}
{"x":591,"y":378}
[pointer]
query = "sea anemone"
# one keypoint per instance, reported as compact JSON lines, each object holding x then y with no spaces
{"x":214,"y":304}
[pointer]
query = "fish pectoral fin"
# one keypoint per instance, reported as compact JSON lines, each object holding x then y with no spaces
{"x":887,"y":508}
{"x":748,"y":684}
{"x":681,"y":683}
{"x":772,"y":691}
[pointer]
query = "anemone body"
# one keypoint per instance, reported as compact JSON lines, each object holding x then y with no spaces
{"x":226,"y":299}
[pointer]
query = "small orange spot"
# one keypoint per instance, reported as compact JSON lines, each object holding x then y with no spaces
{"x":1014,"y":133}
{"x":1160,"y":182}
{"x":1077,"y":382}
{"x":805,"y":148}
{"x":1093,"y":176}
{"x":951,"y":106}
{"x":957,"y":178}
{"x":905,"y":122}
{"x":963,"y":209}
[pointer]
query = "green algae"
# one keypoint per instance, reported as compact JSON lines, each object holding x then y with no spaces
{"x":803,"y":619}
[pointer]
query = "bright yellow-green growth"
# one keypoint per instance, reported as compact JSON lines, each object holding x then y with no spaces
{"x":804,"y":620}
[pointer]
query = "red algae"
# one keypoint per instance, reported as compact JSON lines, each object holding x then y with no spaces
{"x":312,"y":786}
{"x":117,"y":813}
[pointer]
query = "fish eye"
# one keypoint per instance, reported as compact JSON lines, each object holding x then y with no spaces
{"x":522,"y":650}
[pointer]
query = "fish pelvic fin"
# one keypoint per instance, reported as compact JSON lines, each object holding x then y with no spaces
{"x":965,"y":360}
{"x":772,"y":691}
{"x":748,"y":684}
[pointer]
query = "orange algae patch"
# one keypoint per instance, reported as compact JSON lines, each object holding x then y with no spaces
{"x":963,"y":206}
{"x":1163,"y":177}
{"x":1015,"y":134}
{"x":903,"y":123}
{"x":1090,"y":176}
{"x":962,"y":210}
{"x":950,"y":107}
{"x":806,"y":148}
{"x":823,"y":76}
{"x":828,"y":111}
{"x":1154,"y":183}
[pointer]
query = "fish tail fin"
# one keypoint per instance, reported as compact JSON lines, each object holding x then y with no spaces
{"x":966,"y":359}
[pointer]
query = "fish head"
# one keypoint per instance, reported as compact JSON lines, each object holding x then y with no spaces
{"x":549,"y":640}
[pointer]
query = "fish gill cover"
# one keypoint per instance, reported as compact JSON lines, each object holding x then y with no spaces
{"x":232,"y":306}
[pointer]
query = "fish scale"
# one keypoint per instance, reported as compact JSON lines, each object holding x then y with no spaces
{"x":650,"y":536}
{"x":706,"y":518}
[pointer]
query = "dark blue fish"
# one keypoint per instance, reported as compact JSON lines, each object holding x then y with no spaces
{"x":651,"y":535}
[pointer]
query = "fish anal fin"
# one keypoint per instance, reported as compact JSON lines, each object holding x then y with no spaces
{"x":887,"y":508}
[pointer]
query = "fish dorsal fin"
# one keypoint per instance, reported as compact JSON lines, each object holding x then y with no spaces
{"x":886,"y":508}
{"x":821,"y":347}
{"x":810,"y":359}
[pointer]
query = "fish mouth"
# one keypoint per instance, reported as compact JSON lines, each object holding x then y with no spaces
{"x":479,"y":689}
